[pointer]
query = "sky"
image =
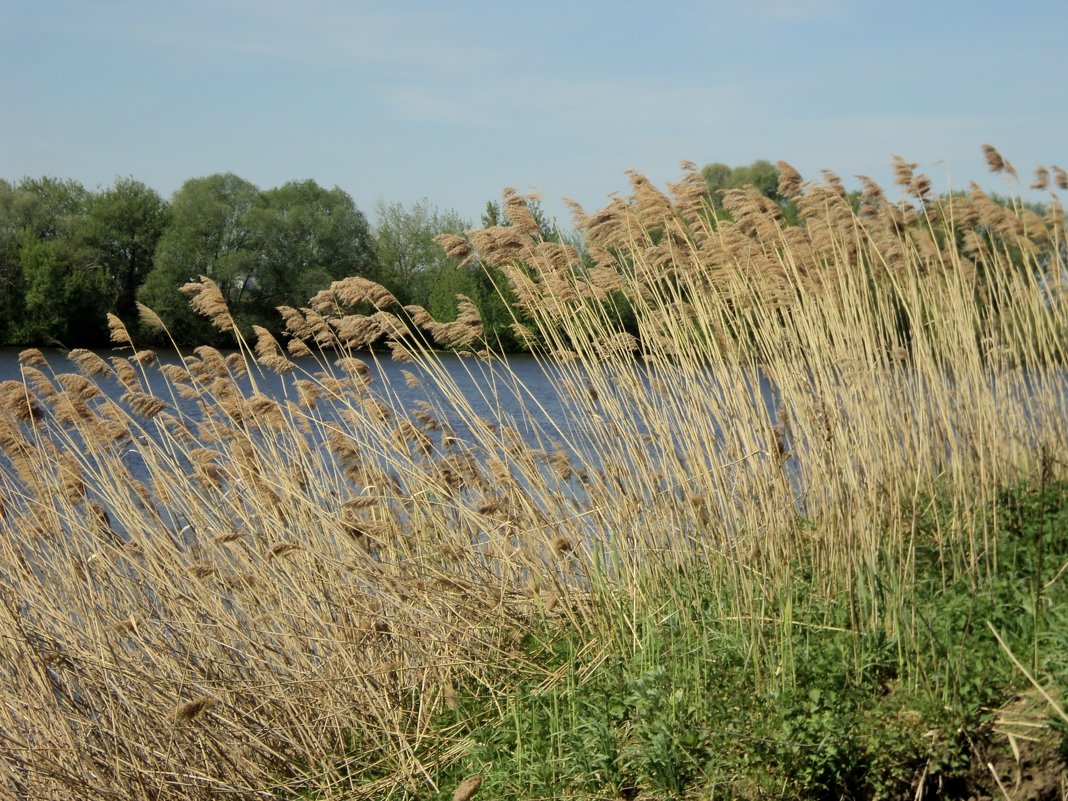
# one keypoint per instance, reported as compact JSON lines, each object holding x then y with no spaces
{"x":400,"y":100}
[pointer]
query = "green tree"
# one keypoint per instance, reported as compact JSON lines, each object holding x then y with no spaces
{"x":717,"y":177}
{"x":304,"y":237}
{"x":208,"y":235}
{"x":450,"y":282}
{"x":66,"y":293}
{"x":123,"y":228}
{"x":59,"y":292}
{"x":761,"y":174}
{"x":413,"y":266}
{"x":49,"y":207}
{"x":263,"y":249}
{"x":12,"y":294}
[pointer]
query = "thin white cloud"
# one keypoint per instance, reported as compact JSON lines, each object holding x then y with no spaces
{"x":429,"y":106}
{"x":779,"y":11}
{"x":323,"y":33}
{"x":581,"y":109}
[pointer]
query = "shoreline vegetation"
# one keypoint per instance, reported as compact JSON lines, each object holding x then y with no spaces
{"x":674,"y":594}
{"x":69,"y":254}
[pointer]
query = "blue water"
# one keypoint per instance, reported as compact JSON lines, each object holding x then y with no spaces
{"x":523,"y":394}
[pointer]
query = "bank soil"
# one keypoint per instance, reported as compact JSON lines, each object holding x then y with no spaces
{"x":1023,"y":758}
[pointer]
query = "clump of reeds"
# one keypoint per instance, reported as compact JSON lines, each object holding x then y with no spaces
{"x":208,"y":588}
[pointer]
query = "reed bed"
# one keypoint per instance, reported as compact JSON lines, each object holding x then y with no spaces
{"x":210,"y":592}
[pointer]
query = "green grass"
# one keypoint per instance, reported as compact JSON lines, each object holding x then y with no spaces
{"x":661,"y":696}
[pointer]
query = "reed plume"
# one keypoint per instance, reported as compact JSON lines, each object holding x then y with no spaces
{"x":207,"y":299}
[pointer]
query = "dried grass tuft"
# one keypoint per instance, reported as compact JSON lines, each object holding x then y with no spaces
{"x":143,"y":403}
{"x":32,"y":356}
{"x":467,"y":788}
{"x":789,"y":181}
{"x":191,"y":710}
{"x":149,"y":319}
{"x":994,"y":161}
{"x":280,"y":549}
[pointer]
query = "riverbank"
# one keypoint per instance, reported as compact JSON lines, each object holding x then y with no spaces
{"x":655,"y":693}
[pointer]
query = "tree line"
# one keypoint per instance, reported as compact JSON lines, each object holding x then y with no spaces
{"x":69,"y":255}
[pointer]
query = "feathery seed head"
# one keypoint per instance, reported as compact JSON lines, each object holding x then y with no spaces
{"x":993,"y":159}
{"x":355,"y":290}
{"x":191,"y":710}
{"x":91,"y":364}
{"x":419,"y":316}
{"x":148,"y":318}
{"x":207,"y":300}
{"x":143,"y":403}
{"x":298,"y":348}
{"x":467,"y":788}
{"x":118,"y":332}
{"x":456,"y":247}
{"x":32,"y":356}
{"x":1060,"y":177}
{"x":15,"y":398}
{"x":789,"y":180}
{"x":996,"y":163}
{"x":266,"y":344}
{"x":517,"y":210}
{"x":295,"y":322}
{"x":903,"y":171}
{"x":279,"y":549}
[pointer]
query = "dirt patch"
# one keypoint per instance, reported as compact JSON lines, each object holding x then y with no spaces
{"x":1024,"y":757}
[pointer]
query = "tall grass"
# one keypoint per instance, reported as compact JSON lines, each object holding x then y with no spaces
{"x":291,"y":592}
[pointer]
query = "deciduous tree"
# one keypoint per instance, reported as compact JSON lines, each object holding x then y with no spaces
{"x":304,"y":237}
{"x":208,"y":235}
{"x":124,"y":226}
{"x":761,"y":174}
{"x":413,"y":266}
{"x":263,"y":249}
{"x":11,"y":291}
{"x":59,"y":292}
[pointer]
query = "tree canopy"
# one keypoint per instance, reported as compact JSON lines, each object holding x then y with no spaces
{"x":69,"y":255}
{"x":760,"y":174}
{"x":263,"y":249}
{"x":54,"y":285}
{"x":304,"y":236}
{"x":123,"y":228}
{"x":410,"y":261}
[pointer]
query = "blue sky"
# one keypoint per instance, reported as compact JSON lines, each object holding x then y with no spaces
{"x":402,"y":99}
